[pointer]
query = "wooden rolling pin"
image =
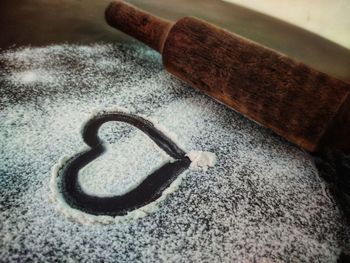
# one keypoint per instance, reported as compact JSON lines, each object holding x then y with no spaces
{"x":307,"y":107}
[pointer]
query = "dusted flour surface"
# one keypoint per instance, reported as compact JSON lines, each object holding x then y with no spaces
{"x":129,"y":157}
{"x":200,"y":160}
{"x":124,"y":165}
{"x":262,"y":201}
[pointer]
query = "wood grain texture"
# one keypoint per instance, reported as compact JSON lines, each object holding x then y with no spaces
{"x":288,"y":97}
{"x":143,"y":26}
{"x":305,"y":106}
{"x":337,"y":134}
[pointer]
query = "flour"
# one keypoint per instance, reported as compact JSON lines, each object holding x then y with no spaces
{"x":88,"y":219}
{"x":124,"y":166}
{"x":201,"y":160}
{"x":32,"y":77}
{"x":262,"y":201}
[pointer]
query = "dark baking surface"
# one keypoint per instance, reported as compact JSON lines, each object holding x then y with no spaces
{"x":262,"y":200}
{"x":40,"y":23}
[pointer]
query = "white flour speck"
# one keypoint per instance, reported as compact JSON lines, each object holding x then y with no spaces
{"x":201,"y":160}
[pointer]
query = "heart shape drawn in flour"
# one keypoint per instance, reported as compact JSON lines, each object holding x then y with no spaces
{"x":146,"y":192}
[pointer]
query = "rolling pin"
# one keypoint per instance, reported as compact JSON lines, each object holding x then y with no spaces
{"x":301,"y":104}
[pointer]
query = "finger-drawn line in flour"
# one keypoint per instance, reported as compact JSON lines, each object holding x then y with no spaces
{"x":147,"y":191}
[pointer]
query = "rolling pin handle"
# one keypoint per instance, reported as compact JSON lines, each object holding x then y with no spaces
{"x":143,"y":26}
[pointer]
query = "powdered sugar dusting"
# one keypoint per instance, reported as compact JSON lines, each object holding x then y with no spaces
{"x":262,"y":201}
